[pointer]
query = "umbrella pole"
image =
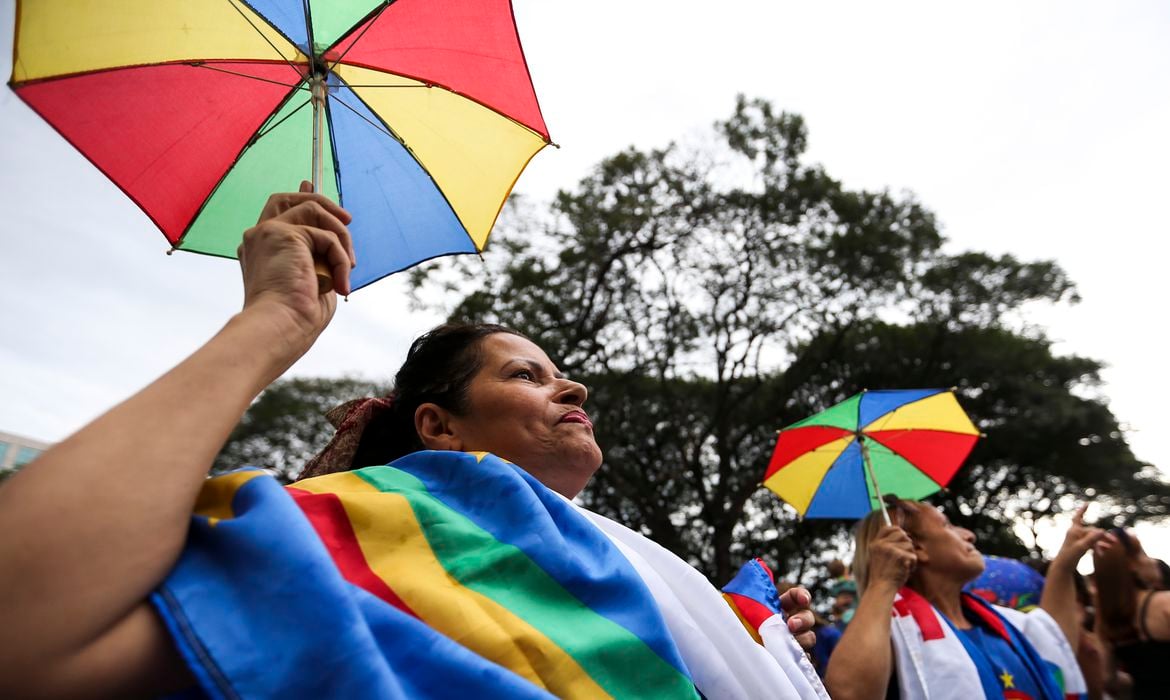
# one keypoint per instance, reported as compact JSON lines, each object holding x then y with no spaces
{"x":317,"y":90}
{"x":873,"y":477}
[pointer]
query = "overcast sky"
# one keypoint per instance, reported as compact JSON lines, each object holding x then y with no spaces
{"x":1037,"y":129}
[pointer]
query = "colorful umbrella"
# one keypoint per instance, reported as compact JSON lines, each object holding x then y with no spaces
{"x":198,"y":109}
{"x":838,"y":463}
{"x":1008,"y":582}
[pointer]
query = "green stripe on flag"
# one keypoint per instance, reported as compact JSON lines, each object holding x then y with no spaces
{"x":505,"y":574}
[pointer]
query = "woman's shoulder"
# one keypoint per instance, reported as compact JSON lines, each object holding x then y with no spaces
{"x":1154,"y":615}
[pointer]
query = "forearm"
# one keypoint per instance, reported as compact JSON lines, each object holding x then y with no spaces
{"x":1059,"y":598}
{"x":90,"y":528}
{"x":862,"y":663}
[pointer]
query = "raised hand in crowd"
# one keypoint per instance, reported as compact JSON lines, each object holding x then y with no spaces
{"x":1059,"y":598}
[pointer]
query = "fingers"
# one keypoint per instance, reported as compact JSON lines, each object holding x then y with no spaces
{"x":801,"y":622}
{"x":327,"y":246}
{"x":306,"y":186}
{"x":1090,"y":538}
{"x":1107,"y":542}
{"x":806,"y":640}
{"x":1078,"y":517}
{"x":801,"y":625}
{"x":795,"y":599}
{"x":895,"y":535}
{"x":280,"y":203}
{"x":313,"y":214}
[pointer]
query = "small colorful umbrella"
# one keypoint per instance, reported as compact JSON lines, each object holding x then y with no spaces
{"x":838,"y":463}
{"x":417,"y":115}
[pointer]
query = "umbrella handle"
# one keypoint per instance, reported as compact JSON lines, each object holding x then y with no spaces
{"x":324,"y":275}
{"x":317,"y":86}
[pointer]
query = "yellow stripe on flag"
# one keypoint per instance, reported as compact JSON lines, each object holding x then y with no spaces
{"x":62,"y":37}
{"x":473,"y":153}
{"x":939,"y":412}
{"x":216,"y":496}
{"x":397,"y":551}
{"x":797,"y":481}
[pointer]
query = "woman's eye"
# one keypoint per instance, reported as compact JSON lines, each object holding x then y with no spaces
{"x":524,"y":374}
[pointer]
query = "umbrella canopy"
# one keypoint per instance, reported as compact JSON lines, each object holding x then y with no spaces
{"x":198,"y":109}
{"x":908,"y":443}
{"x":1008,"y":582}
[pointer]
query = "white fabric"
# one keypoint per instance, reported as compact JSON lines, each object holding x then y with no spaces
{"x":724,"y":661}
{"x":941,"y":669}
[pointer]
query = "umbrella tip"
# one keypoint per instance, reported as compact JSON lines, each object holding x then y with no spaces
{"x":554,"y":144}
{"x":171,"y":250}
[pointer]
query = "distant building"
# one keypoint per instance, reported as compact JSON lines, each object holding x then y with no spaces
{"x":17,"y":451}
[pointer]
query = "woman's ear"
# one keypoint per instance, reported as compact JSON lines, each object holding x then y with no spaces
{"x":920,"y":551}
{"x":433,"y":424}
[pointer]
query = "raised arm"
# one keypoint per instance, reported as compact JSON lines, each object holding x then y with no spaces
{"x":1059,"y":598}
{"x":863,"y":660}
{"x":89,"y":529}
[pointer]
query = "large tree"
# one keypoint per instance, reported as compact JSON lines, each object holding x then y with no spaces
{"x":710,"y":297}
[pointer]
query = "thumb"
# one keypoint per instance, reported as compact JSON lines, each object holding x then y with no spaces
{"x":306,"y":186}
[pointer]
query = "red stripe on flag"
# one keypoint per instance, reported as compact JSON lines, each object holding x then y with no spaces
{"x":327,"y":515}
{"x":755,"y":613}
{"x":798,"y":441}
{"x":983,"y":611}
{"x":918,"y":608}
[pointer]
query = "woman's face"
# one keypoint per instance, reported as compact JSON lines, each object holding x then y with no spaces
{"x":945,"y":547}
{"x":521,"y":408}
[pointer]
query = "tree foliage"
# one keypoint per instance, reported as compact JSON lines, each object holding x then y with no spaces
{"x":286,"y":425}
{"x":712,"y":296}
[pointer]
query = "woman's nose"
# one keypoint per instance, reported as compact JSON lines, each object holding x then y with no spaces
{"x":572,"y":392}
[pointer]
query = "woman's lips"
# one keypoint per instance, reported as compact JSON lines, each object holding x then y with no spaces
{"x":576,"y":417}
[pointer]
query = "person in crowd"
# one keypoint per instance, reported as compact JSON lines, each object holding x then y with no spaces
{"x":940,"y":642}
{"x":1133,"y":612}
{"x":838,"y":570}
{"x":462,"y":569}
{"x":844,"y":592}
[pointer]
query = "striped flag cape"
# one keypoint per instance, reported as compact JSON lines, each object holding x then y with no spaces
{"x":445,"y":575}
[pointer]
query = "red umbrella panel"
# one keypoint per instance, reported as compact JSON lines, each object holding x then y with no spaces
{"x":417,"y":115}
{"x":908,"y":443}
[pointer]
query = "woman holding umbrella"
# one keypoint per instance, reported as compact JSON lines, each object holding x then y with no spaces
{"x":941,"y":642}
{"x":450,"y":573}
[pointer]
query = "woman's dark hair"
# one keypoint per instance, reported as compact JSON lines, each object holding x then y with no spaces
{"x":438,"y":369}
{"x":1117,"y":589}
